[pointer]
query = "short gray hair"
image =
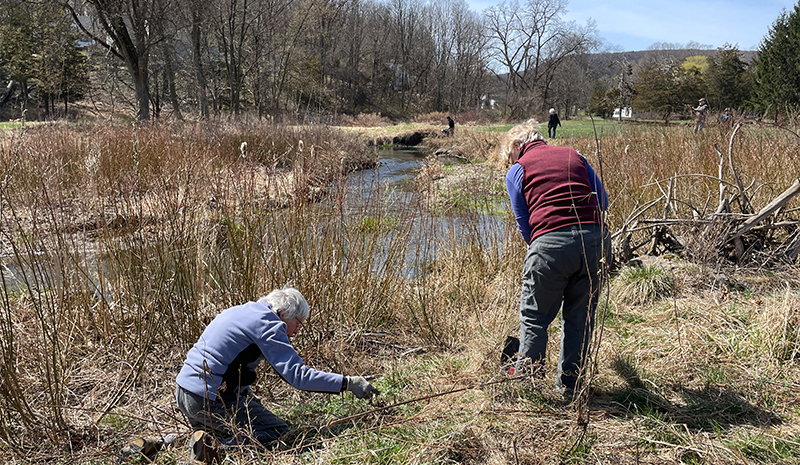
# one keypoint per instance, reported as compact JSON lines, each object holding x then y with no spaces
{"x":522,"y":133}
{"x":289,"y":301}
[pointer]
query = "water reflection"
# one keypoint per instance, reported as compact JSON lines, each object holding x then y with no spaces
{"x":395,"y":171}
{"x":385,"y":197}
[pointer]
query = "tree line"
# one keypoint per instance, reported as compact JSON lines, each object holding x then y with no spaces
{"x":664,"y":83}
{"x":301,"y":58}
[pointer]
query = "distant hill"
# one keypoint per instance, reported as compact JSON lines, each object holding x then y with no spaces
{"x":604,"y":63}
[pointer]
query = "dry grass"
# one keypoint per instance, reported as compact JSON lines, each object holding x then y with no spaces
{"x":364,"y":120}
{"x":467,"y":143}
{"x":120,"y":246}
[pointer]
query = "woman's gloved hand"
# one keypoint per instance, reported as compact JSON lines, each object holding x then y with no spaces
{"x":361,"y":387}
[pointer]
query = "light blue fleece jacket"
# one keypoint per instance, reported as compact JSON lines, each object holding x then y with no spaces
{"x":233,"y":331}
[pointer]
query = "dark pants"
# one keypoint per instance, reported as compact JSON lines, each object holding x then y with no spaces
{"x":562,"y":270}
{"x":551,"y":131}
{"x":241,"y":421}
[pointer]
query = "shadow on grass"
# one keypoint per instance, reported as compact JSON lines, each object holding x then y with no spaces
{"x":705,"y":410}
{"x":709,"y":409}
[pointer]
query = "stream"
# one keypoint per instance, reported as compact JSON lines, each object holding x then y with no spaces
{"x":382,"y":197}
{"x":429,"y":234}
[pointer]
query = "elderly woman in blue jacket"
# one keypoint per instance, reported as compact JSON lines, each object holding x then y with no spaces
{"x":213,"y":389}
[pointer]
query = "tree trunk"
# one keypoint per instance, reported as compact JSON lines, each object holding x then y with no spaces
{"x":7,"y":92}
{"x":142,"y":85}
{"x":198,"y":65}
{"x":169,"y":75}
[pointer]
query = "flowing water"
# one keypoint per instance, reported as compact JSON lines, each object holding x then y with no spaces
{"x":381,"y":197}
{"x":391,"y":184}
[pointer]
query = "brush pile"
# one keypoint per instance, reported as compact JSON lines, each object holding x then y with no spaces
{"x":735,"y":230}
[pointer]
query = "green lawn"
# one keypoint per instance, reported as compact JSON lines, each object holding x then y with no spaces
{"x":584,"y":127}
{"x":580,"y":127}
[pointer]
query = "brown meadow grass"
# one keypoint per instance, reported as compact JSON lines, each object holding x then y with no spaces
{"x":120,"y":244}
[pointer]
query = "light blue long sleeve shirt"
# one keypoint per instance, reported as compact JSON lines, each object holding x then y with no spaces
{"x":233,"y":331}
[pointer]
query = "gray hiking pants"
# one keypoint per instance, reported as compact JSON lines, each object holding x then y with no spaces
{"x":561,"y":270}
{"x":241,"y":421}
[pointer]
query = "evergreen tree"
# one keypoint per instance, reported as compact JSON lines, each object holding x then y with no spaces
{"x":38,"y":46}
{"x":61,"y":70}
{"x":777,"y":68}
{"x":18,"y":52}
{"x":666,"y":87}
{"x":727,"y":78}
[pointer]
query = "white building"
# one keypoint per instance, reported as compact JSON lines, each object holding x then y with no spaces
{"x":627,"y":112}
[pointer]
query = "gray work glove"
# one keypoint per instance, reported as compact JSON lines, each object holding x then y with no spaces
{"x":361,"y":387}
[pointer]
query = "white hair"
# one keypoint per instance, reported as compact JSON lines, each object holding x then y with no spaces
{"x":521,"y":134}
{"x":289,"y":301}
{"x":552,"y":110}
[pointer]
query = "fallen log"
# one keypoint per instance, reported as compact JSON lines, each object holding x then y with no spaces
{"x":765,"y":212}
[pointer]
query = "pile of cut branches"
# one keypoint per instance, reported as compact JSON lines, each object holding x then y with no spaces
{"x":734,"y":231}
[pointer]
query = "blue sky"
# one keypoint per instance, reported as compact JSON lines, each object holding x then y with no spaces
{"x":628,"y":25}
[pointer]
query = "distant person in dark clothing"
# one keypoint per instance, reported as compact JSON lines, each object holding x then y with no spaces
{"x":551,"y":125}
{"x":451,"y":126}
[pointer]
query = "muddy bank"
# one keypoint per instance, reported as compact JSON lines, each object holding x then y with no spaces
{"x":406,"y":139}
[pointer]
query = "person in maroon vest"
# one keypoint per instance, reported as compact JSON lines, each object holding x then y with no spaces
{"x":558,"y":202}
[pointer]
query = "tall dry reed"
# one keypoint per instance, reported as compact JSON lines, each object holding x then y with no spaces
{"x":122,"y":242}
{"x":119,"y":244}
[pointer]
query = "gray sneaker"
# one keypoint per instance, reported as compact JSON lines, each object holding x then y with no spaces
{"x":205,"y":448}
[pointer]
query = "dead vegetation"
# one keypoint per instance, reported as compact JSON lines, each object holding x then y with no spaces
{"x":697,"y":356}
{"x":734,"y":228}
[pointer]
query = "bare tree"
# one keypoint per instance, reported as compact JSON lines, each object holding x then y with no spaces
{"x":623,"y":84}
{"x":233,"y":20}
{"x":271,"y":53}
{"x":458,"y":59}
{"x":166,"y":55}
{"x":354,"y":54}
{"x":129,"y":27}
{"x":570,"y":86}
{"x":528,"y":43}
{"x":412,"y":47}
{"x":197,"y":33}
{"x":470,"y":57}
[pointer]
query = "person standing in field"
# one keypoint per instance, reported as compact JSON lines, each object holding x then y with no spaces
{"x":451,"y":126}
{"x":700,"y":115}
{"x":558,"y":203}
{"x":727,"y":117}
{"x":553,"y":123}
{"x":213,"y":387}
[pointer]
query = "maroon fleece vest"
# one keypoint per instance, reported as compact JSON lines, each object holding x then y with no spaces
{"x":555,"y":183}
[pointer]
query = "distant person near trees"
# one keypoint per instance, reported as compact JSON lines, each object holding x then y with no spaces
{"x":451,"y":126}
{"x":558,"y":203}
{"x":727,"y":117}
{"x":552,"y":123}
{"x":700,"y":115}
